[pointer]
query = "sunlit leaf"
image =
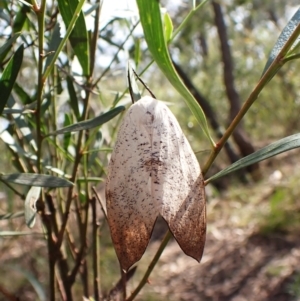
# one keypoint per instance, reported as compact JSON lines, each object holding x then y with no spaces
{"x":286,"y":34}
{"x":168,"y":27}
{"x":79,"y":36}
{"x":150,"y":17}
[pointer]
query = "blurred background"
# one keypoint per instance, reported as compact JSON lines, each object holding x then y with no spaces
{"x":253,"y":249}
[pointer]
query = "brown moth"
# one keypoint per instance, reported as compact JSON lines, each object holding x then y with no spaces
{"x":152,"y":171}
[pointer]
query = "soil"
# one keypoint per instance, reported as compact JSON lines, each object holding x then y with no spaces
{"x":235,"y":266}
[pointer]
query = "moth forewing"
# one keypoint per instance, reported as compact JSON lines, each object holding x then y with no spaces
{"x":153,"y":171}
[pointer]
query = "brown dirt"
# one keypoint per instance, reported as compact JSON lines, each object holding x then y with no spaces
{"x":235,"y":266}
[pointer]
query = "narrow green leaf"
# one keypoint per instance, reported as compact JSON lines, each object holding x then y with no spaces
{"x":150,"y":18}
{"x":4,"y":49}
{"x":12,"y":215}
{"x":20,"y":18}
{"x":79,"y":35}
{"x":91,"y":123}
{"x":24,"y":96}
{"x":10,"y":142}
{"x":286,"y":34}
{"x":9,"y":76}
{"x":53,"y":44}
{"x":90,"y":179}
{"x":36,"y":180}
{"x":70,"y":27}
{"x":22,"y":124}
{"x":73,"y":98}
{"x":17,"y":233}
{"x":36,"y":284}
{"x":67,"y":136}
{"x":98,"y":141}
{"x":168,"y":27}
{"x":137,"y":51}
{"x":269,"y":151}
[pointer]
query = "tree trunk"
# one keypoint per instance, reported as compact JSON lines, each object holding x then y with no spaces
{"x":221,"y":183}
{"x":239,"y":135}
{"x":208,"y":111}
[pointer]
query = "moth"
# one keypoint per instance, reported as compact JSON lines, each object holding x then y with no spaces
{"x":153,"y":171}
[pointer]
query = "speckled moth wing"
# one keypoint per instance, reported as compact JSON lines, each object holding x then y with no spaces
{"x":153,"y":170}
{"x":178,"y":183}
{"x":131,"y":210}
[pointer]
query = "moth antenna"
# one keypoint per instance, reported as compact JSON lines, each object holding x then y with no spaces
{"x":144,"y":84}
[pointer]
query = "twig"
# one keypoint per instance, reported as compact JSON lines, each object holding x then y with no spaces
{"x":151,"y":266}
{"x":100,"y":202}
{"x":96,"y":273}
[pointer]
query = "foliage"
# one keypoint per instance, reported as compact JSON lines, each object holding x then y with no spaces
{"x":61,"y":110}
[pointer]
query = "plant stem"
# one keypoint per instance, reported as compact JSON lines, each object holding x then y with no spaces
{"x":151,"y":266}
{"x":187,"y":19}
{"x":41,"y":28}
{"x":65,"y":38}
{"x":96,"y":274}
{"x":264,"y":80}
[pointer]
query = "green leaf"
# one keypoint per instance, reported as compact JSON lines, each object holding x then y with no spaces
{"x":150,"y":18}
{"x":269,"y":151}
{"x":53,"y":44}
{"x":67,"y":136}
{"x":90,"y":179}
{"x":20,"y":18}
{"x":22,"y":124}
{"x":38,"y":287}
{"x":79,"y":35}
{"x":91,"y":123}
{"x":17,"y":233}
{"x":36,"y":180}
{"x":4,"y":49}
{"x":24,"y":96}
{"x":73,"y":98}
{"x":137,"y":51}
{"x":70,"y":27}
{"x":10,"y":142}
{"x":168,"y":27}
{"x":11,"y":215}
{"x":290,"y":31}
{"x":9,"y":76}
